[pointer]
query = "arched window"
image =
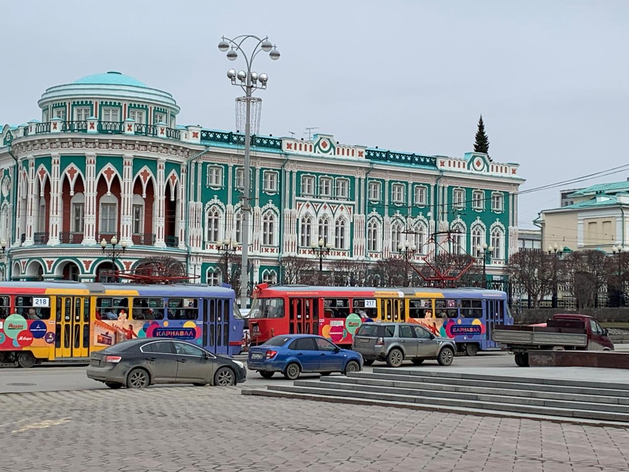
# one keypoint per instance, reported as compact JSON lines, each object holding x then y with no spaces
{"x":324,"y":228}
{"x":213,"y":225}
{"x":421,"y":232}
{"x":478,"y":238}
{"x":373,"y":236}
{"x":268,"y":228}
{"x":458,"y":239}
{"x":77,"y":204}
{"x":269,"y":277}
{"x":213,"y":277}
{"x":4,"y":223}
{"x":138,"y":214}
{"x":340,"y":231}
{"x":238,"y":227}
{"x":396,"y":235}
{"x":306,"y":231}
{"x":108,"y":222}
{"x":497,"y":241}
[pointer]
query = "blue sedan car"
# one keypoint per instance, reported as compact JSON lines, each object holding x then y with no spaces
{"x":293,"y":354}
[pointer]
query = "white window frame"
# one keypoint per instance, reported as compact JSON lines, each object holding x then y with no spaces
{"x":373,"y":236}
{"x":497,"y":241}
{"x":77,"y":201}
{"x":238,"y":226}
{"x":305,"y":231}
{"x":82,"y":113}
{"x":324,"y":228}
{"x":497,"y":202}
{"x":340,"y":233}
{"x":396,"y":236}
{"x":375,"y":191}
{"x":458,"y":198}
{"x":162,"y":115}
{"x":478,"y":200}
{"x":268,"y":228}
{"x":307,"y":185}
{"x":239,"y":178}
{"x":138,"y":204}
{"x":458,"y":239}
{"x":213,"y":223}
{"x":110,"y":201}
{"x":215,"y":176}
{"x":59,"y":113}
{"x":214,"y":277}
{"x":270,"y":178}
{"x":138,"y":115}
{"x":325,"y":183}
{"x":110,"y":114}
{"x":420,"y":195}
{"x":478,"y":238}
{"x":421,"y":233}
{"x":397,"y":193}
{"x":342,"y":188}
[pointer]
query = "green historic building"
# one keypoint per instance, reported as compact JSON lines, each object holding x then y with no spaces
{"x":108,"y":158}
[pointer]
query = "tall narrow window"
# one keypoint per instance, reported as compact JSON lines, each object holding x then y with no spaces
{"x":213,"y":225}
{"x":478,"y":238}
{"x":215,"y":176}
{"x":373,"y":231}
{"x":342,"y":188}
{"x":397,"y":193}
{"x":240,"y":178}
{"x":138,"y":214}
{"x":497,"y":241}
{"x":305,"y":231}
{"x":374,"y":191}
{"x":396,"y":236}
{"x":325,"y":186}
{"x":478,"y":199}
{"x":108,"y":214}
{"x":270,"y":181}
{"x":458,"y":197}
{"x":324,"y":228}
{"x":458,"y":239}
{"x":340,"y":229}
{"x":238,"y":225}
{"x":421,"y":232}
{"x":77,"y":205}
{"x":268,"y":228}
{"x":420,"y":195}
{"x":497,"y":201}
{"x":307,"y":185}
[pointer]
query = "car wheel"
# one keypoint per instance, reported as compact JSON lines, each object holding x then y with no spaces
{"x":292,"y":371}
{"x":445,"y":356}
{"x":352,"y":366}
{"x":522,"y":359}
{"x":418,"y":361}
{"x":26,"y":359}
{"x":368,"y":362}
{"x":471,"y":349}
{"x":224,"y":377}
{"x":395,"y":358}
{"x":113,"y":385}
{"x":138,"y":378}
{"x":199,"y":384}
{"x":265,"y":374}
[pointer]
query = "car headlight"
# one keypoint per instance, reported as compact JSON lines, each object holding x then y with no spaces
{"x":240,"y":364}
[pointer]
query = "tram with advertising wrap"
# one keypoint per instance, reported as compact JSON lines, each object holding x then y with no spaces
{"x":466,"y":315}
{"x":60,"y":321}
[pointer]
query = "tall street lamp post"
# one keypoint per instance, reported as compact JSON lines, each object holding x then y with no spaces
{"x":407,"y":250}
{"x":483,"y":251}
{"x":618,"y":250}
{"x":115,"y":250}
{"x":557,"y":251}
{"x":249,"y":81}
{"x":228,"y":246}
{"x":321,"y":249}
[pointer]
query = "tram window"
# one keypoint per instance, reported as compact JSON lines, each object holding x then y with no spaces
{"x":148,"y":308}
{"x":182,"y":309}
{"x":471,"y":308}
{"x":447,"y":308}
{"x":365,"y":308}
{"x":267,"y":308}
{"x":33,"y":308}
{"x":336,"y":307}
{"x":112,"y":308}
{"x":420,"y":308}
{"x":5,"y":307}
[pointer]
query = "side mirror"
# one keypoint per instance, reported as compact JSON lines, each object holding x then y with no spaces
{"x":605,"y":332}
{"x":208,"y":356}
{"x":337,"y":350}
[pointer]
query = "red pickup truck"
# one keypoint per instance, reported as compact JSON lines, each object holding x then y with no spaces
{"x":562,"y":331}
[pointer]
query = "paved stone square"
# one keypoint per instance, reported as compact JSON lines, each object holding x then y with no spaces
{"x":198,"y":429}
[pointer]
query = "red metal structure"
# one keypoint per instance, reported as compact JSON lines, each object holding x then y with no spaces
{"x":444,"y":266}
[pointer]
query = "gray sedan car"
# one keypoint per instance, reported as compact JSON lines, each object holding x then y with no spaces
{"x":143,"y":362}
{"x":394,"y":342}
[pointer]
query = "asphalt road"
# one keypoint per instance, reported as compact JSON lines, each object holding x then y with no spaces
{"x":52,"y":377}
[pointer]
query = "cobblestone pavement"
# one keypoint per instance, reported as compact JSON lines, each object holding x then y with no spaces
{"x":198,"y":429}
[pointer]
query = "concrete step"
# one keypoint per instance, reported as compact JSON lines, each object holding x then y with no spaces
{"x":478,"y":396}
{"x":439,"y":388}
{"x":323,"y":390}
{"x":517,"y":383}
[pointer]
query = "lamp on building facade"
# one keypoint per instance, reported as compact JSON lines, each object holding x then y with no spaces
{"x":483,"y":251}
{"x":228,"y":246}
{"x":407,"y":250}
{"x":3,"y":246}
{"x":557,"y":251}
{"x":249,"y":81}
{"x":617,"y":250}
{"x":321,"y":249}
{"x":115,"y":250}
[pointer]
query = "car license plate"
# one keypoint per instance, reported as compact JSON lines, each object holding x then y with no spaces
{"x":364,"y":341}
{"x":256,"y":355}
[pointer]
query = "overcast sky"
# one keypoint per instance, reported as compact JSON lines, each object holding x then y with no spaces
{"x":551,"y":78}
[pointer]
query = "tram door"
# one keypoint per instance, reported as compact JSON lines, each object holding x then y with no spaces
{"x":494,"y":311}
{"x":72,"y":337}
{"x":216,"y":325}
{"x":392,"y":309}
{"x":303,"y":316}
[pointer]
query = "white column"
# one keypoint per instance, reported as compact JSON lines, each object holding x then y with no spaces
{"x":20,"y":206}
{"x":89,"y":237}
{"x":55,"y":201}
{"x":32,"y":199}
{"x":126,"y":200}
{"x":158,"y":219}
{"x":180,"y":225}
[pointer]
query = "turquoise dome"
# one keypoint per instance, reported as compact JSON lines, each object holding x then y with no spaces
{"x":110,"y":78}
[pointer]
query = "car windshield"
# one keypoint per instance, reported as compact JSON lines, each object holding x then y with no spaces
{"x":277,"y":341}
{"x":267,"y":308}
{"x":368,"y":330}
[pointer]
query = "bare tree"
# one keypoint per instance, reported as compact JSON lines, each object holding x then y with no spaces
{"x":350,"y":273}
{"x":389,"y":272}
{"x":587,"y":273}
{"x":159,"y":270}
{"x":531,"y":269}
{"x":229,"y":265}
{"x":297,"y":270}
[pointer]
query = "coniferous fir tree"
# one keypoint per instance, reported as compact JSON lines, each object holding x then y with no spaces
{"x":482,"y":141}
